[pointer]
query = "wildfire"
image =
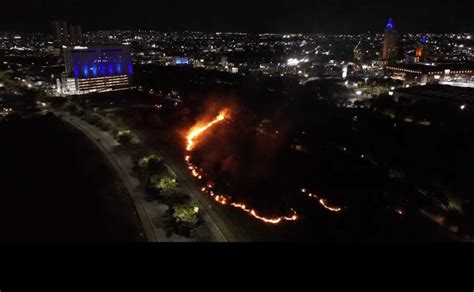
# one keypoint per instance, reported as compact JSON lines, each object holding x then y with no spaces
{"x":276,"y":220}
{"x":191,"y":138}
{"x":198,"y":130}
{"x":324,"y":203}
{"x":321,"y":201}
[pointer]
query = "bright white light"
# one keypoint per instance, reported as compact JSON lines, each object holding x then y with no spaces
{"x":359,"y":92}
{"x":392,"y":88}
{"x":390,"y":93}
{"x":295,"y":61}
{"x":292,"y":62}
{"x":462,"y":107}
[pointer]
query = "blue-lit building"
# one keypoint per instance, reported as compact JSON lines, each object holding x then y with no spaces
{"x":96,"y":69}
{"x":181,"y":61}
{"x":390,"y":49}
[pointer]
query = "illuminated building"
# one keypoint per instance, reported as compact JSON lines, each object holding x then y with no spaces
{"x":181,"y":61}
{"x":96,"y":69}
{"x":358,"y":53}
{"x":345,"y":69}
{"x":390,"y":50}
{"x":420,"y":50}
{"x":60,"y":31}
{"x":436,"y":93}
{"x":423,"y":73}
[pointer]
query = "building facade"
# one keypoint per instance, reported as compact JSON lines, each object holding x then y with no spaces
{"x":390,"y":50}
{"x":96,"y":69}
{"x":423,"y":73}
{"x":60,"y":31}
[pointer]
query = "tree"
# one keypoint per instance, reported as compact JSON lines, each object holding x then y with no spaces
{"x":124,"y":136}
{"x":151,"y":164}
{"x":167,"y":185}
{"x":187,"y":214}
{"x":166,"y":189}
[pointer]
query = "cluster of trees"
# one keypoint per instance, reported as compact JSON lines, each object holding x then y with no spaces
{"x":95,"y":117}
{"x":182,"y":216}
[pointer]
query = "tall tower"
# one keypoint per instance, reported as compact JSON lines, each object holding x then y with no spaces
{"x":60,"y":31}
{"x":390,"y":51}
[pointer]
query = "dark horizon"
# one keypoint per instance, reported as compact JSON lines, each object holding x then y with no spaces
{"x":296,"y":16}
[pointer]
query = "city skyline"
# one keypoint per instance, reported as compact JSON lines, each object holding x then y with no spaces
{"x":167,"y":122}
{"x":287,"y":17}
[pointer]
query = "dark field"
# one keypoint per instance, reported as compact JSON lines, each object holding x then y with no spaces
{"x":359,"y":159}
{"x":56,"y":186}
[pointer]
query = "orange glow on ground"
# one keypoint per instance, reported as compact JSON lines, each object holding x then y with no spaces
{"x":192,"y":138}
{"x":322,"y":201}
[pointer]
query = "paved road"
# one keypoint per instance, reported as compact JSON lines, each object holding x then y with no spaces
{"x":214,"y":213}
{"x":214,"y":221}
{"x":149,"y":212}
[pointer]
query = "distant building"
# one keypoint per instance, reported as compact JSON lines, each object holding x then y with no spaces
{"x":345,"y":69}
{"x":423,"y":73}
{"x":96,"y":69}
{"x":60,"y":31}
{"x":436,"y":93}
{"x":224,"y":61}
{"x":390,"y":50}
{"x":358,"y":53}
{"x":181,"y":61}
{"x":75,"y":34}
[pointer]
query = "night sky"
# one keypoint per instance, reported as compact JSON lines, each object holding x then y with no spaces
{"x":325,"y":16}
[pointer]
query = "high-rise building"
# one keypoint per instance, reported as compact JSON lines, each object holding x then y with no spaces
{"x":390,"y":50}
{"x":75,"y":34}
{"x":96,"y":69}
{"x":60,"y":31}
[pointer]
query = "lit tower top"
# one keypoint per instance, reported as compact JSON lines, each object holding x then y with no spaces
{"x":389,"y":25}
{"x":424,"y":39}
{"x":390,"y":50}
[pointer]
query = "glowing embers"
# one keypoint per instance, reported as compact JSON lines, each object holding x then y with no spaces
{"x":192,"y":139}
{"x":224,"y":200}
{"x":321,"y":201}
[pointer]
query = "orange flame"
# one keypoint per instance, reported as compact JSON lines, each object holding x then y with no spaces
{"x":194,"y":133}
{"x":323,"y":202}
{"x":198,"y":130}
